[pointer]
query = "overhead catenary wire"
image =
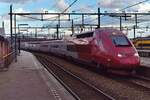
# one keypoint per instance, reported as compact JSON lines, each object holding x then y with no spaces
{"x":126,"y":8}
{"x":134,"y":5}
{"x":85,"y":16}
{"x":65,"y":9}
{"x":31,"y":17}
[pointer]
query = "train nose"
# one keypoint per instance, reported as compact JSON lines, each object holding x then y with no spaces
{"x":130,"y":61}
{"x":127,"y":55}
{"x":127,"y":61}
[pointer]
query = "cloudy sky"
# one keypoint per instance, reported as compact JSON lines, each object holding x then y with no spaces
{"x":79,"y":6}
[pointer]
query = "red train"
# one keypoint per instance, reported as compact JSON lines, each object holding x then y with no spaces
{"x":105,"y":48}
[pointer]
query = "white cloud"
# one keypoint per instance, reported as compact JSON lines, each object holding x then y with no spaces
{"x":18,"y":10}
{"x":85,"y":8}
{"x":61,"y":5}
{"x":116,"y":5}
{"x":144,"y":7}
{"x":110,"y":3}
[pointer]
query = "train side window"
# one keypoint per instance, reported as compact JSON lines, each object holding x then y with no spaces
{"x":84,"y":35}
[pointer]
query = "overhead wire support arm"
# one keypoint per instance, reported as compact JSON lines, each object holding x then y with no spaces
{"x":109,"y":14}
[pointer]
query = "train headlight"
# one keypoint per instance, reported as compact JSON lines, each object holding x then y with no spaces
{"x":120,"y":55}
{"x":136,"y":54}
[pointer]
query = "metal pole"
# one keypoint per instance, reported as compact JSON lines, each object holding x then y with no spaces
{"x":41,"y":17}
{"x":11,"y":29}
{"x":19,"y":43}
{"x":69,"y":17}
{"x":59,"y":21}
{"x":72,"y":27}
{"x":36,"y":33}
{"x":125,"y":17}
{"x":99,"y":18}
{"x":3,"y":25}
{"x":57,"y":31}
{"x":120,"y":23}
{"x":134,"y":31}
{"x":82,"y":22}
{"x":136,"y":20}
{"x":91,"y":27}
{"x":48,"y":33}
{"x":15,"y":38}
{"x":19,"y":39}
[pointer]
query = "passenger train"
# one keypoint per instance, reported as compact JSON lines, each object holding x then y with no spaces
{"x":142,"y":43}
{"x":105,"y":48}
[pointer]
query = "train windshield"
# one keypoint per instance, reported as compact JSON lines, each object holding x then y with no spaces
{"x":120,"y":41}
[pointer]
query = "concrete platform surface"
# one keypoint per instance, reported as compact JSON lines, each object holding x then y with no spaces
{"x":145,"y":61}
{"x":28,"y":80}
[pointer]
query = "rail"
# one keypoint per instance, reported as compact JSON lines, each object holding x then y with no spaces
{"x":93,"y":88}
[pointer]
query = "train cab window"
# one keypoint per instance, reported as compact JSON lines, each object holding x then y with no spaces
{"x":85,"y":35}
{"x":120,"y":41}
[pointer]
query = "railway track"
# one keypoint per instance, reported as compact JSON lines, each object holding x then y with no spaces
{"x":141,"y":81}
{"x":137,"y":82}
{"x":79,"y":88}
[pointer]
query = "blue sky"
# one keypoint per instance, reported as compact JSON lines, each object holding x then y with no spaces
{"x":39,"y":4}
{"x":60,"y":5}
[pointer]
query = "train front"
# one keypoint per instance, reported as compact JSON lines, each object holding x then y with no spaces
{"x":115,"y":51}
{"x":125,"y":56}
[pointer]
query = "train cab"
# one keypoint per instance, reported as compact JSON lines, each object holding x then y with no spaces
{"x":115,"y":50}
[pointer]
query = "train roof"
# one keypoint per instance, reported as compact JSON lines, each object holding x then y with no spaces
{"x":99,"y":29}
{"x":90,"y":33}
{"x":85,"y":32}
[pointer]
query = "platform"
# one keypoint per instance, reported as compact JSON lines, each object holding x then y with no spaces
{"x":27,"y":79}
{"x":145,"y":61}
